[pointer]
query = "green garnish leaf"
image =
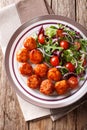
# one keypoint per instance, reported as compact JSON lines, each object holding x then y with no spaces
{"x":83,"y":44}
{"x":50,"y":31}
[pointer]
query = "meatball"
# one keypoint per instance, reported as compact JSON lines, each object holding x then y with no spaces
{"x":41,"y":70}
{"x":54,"y":74}
{"x":33,"y":81}
{"x":30,"y":43}
{"x":73,"y":82}
{"x":35,"y":56}
{"x":47,"y":87}
{"x":26,"y":69}
{"x":61,"y":87}
{"x":22,"y":55}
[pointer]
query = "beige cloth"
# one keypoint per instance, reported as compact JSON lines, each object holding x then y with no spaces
{"x":11,"y":17}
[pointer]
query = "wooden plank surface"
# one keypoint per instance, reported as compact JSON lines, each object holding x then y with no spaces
{"x":11,"y":117}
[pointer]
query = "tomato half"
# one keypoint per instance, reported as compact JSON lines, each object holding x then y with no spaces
{"x":70,"y":67}
{"x":59,"y":33}
{"x":77,"y":45}
{"x":64,"y":44}
{"x":73,"y":82}
{"x":54,"y":61}
{"x":41,"y":39}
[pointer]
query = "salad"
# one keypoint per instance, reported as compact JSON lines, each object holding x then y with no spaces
{"x":60,"y":50}
{"x":63,"y":48}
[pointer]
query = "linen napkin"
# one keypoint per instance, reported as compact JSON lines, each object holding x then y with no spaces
{"x":11,"y":17}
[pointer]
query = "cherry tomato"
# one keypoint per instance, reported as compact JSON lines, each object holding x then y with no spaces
{"x":59,"y":33}
{"x":70,"y":67}
{"x":73,"y":82}
{"x":84,"y":62}
{"x":54,"y":61}
{"x":77,"y":44}
{"x":64,"y":44}
{"x":41,"y":39}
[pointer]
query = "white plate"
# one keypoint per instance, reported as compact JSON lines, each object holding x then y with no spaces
{"x":19,"y":82}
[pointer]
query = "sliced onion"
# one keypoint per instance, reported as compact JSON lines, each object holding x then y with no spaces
{"x":83,"y":52}
{"x":68,"y":75}
{"x":42,"y":50}
{"x":60,"y":67}
{"x":57,"y":53}
{"x":47,"y":64}
{"x":68,"y":35}
{"x":55,"y":40}
{"x":76,"y":63}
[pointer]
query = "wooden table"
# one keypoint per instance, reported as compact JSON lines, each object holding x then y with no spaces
{"x":11,"y":117}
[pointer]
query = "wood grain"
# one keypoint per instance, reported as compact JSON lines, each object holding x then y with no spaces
{"x":11,"y":117}
{"x":43,"y":124}
{"x":81,"y":12}
{"x":64,"y":8}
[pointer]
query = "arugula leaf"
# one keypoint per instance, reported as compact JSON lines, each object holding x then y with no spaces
{"x":70,"y":32}
{"x":63,"y":70}
{"x":83,"y":43}
{"x":60,"y":26}
{"x":53,"y":27}
{"x":79,"y":68}
{"x":47,"y":59}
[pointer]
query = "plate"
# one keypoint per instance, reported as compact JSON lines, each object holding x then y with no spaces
{"x":19,"y":82}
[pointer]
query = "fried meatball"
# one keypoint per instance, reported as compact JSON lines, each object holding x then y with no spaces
{"x":35,"y":56}
{"x":47,"y":87}
{"x":41,"y":70}
{"x":61,"y":87}
{"x":73,"y":82}
{"x":54,"y":74}
{"x":30,"y":43}
{"x":22,"y":55}
{"x":26,"y":69}
{"x":33,"y":81}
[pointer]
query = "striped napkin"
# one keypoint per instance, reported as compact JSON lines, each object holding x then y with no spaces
{"x":11,"y":17}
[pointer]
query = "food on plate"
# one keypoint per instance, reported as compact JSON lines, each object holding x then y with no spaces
{"x":22,"y":55}
{"x":61,"y":87}
{"x":35,"y":56}
{"x":47,"y":87}
{"x":41,"y":39}
{"x":54,"y":61}
{"x":60,"y":33}
{"x":26,"y":69}
{"x":73,"y":82}
{"x":30,"y":43}
{"x":64,"y":44}
{"x":77,"y":45}
{"x":54,"y":74}
{"x":70,"y":66}
{"x":33,"y":81}
{"x":55,"y":54}
{"x":84,"y":62}
{"x":41,"y":70}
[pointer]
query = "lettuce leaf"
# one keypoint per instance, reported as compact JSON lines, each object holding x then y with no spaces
{"x":50,"y":31}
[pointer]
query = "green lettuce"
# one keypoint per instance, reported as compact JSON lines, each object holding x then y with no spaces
{"x":51,"y":31}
